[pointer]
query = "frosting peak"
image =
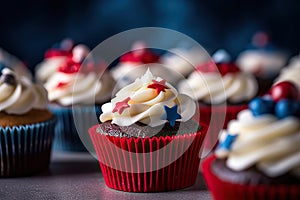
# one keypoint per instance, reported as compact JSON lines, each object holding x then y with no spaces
{"x":149,"y":100}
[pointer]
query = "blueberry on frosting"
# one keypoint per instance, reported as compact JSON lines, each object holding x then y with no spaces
{"x":283,"y":101}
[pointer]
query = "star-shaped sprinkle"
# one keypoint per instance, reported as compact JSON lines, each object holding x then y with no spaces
{"x":227,"y":143}
{"x":120,"y":106}
{"x":159,"y":86}
{"x":171,"y":114}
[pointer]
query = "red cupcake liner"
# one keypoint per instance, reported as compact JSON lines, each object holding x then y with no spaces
{"x":217,"y":118}
{"x":139,"y":171}
{"x":222,"y":190}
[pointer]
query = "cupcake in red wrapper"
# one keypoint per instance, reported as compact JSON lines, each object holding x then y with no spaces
{"x":222,"y":90}
{"x":259,"y":156}
{"x":148,"y":141}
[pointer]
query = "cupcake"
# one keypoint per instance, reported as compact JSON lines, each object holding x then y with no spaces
{"x":182,"y":60}
{"x":147,"y":140}
{"x":26,"y":126}
{"x":135,"y":63}
{"x":258,"y":155}
{"x":263,"y":60}
{"x":76,"y":91}
{"x":222,"y":90}
{"x":291,"y":72}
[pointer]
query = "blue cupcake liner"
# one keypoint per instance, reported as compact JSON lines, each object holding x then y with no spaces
{"x":68,"y":134}
{"x":25,"y":149}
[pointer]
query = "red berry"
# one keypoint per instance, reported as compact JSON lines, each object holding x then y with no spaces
{"x":145,"y":57}
{"x":225,"y":68}
{"x":284,"y":90}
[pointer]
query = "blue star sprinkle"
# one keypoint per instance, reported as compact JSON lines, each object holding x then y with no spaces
{"x":227,"y":143}
{"x":171,"y":114}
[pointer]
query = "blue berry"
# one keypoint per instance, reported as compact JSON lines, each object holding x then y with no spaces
{"x":287,"y":107}
{"x":261,"y":106}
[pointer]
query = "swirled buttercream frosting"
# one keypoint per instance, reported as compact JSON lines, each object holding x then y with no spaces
{"x":149,"y":100}
{"x":269,"y":143}
{"x":18,"y":94}
{"x":218,"y":83}
{"x":71,"y":84}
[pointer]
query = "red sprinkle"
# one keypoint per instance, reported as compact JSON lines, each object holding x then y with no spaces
{"x":120,"y":106}
{"x":159,"y":86}
{"x":70,"y":67}
{"x":61,"y":84}
{"x":222,"y":68}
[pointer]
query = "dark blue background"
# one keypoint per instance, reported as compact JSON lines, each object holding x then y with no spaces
{"x":29,"y":27}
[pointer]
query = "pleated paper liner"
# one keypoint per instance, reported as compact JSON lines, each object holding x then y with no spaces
{"x":25,"y":150}
{"x":222,"y":190}
{"x":66,"y":132}
{"x":176,"y":175}
{"x":221,"y":117}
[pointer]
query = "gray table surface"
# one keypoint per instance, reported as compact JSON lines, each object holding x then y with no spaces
{"x":77,"y":176}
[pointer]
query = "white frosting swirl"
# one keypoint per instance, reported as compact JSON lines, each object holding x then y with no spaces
{"x":215,"y":89}
{"x":79,"y":88}
{"x":145,"y":105}
{"x":21,"y":96}
{"x":127,"y":72}
{"x":269,"y":143}
{"x":291,"y":72}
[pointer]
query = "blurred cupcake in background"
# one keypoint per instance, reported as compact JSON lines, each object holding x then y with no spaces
{"x":14,"y":63}
{"x":136,"y":62}
{"x":76,"y":90}
{"x":259,"y":155}
{"x":222,"y":90}
{"x":183,"y":60}
{"x":291,"y":72}
{"x":26,"y":125}
{"x":263,"y":60}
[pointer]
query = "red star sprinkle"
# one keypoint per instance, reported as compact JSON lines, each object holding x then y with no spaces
{"x":158,"y":86}
{"x":120,"y":106}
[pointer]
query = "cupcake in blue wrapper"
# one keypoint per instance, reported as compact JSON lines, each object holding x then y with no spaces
{"x":26,"y":125}
{"x":77,"y":87}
